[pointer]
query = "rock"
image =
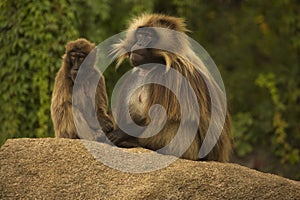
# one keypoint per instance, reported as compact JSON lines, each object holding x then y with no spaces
{"x":65,"y":169}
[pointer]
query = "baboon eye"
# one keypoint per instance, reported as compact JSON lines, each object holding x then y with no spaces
{"x":72,"y":56}
{"x":77,"y":56}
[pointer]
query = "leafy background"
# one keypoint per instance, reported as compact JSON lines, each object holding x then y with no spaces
{"x":255,"y":44}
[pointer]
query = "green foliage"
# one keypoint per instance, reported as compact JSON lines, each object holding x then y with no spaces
{"x":101,"y":19}
{"x":242,"y":122}
{"x":32,"y":39}
{"x":280,"y":143}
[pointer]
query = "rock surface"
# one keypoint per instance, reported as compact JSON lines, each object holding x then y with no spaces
{"x":64,"y":169}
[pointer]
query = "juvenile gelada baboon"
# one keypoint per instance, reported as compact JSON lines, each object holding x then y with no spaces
{"x":61,"y":106}
{"x":138,"y":47}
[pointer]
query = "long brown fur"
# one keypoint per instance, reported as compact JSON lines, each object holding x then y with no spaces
{"x":61,"y":106}
{"x":198,"y":78}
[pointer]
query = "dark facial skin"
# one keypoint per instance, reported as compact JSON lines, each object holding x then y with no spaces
{"x":140,"y":54}
{"x":75,"y":59}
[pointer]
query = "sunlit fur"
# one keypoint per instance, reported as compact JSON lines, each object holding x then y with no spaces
{"x":183,"y":62}
{"x":61,"y":106}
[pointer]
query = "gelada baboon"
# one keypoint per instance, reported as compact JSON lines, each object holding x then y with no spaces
{"x":61,"y":106}
{"x":134,"y":47}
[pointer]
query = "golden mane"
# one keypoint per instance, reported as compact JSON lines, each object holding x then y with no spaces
{"x":187,"y":63}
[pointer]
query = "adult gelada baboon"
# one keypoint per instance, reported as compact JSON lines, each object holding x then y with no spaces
{"x":142,"y":34}
{"x":87,"y":114}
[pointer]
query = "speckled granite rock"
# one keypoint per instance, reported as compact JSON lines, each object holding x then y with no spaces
{"x":64,"y":169}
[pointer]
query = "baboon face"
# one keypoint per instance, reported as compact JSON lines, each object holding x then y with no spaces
{"x":75,"y":59}
{"x":76,"y":52}
{"x":140,"y":52}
